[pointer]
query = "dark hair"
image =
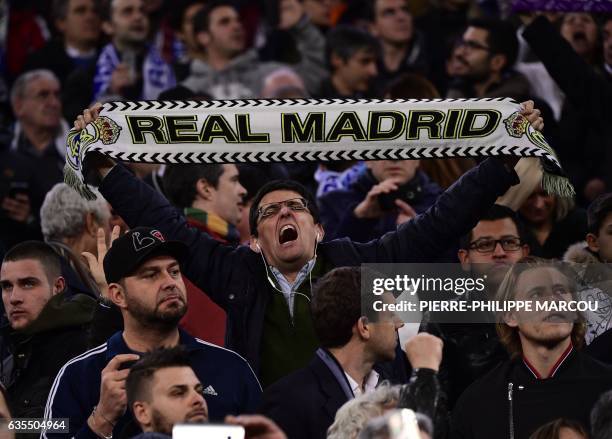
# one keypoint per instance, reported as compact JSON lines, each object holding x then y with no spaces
{"x":552,"y":429}
{"x":38,"y":251}
{"x":601,"y":417}
{"x":201,"y":20}
{"x":597,"y":212}
{"x":336,"y":306}
{"x":496,"y":212}
{"x":370,"y":10}
{"x":176,"y":13}
{"x":501,"y":38}
{"x":106,"y":7}
{"x":253,"y":176}
{"x":180,"y":181}
{"x":282,"y":185}
{"x":59,"y":8}
{"x":137,"y":384}
{"x":412,"y":86}
{"x":344,"y":41}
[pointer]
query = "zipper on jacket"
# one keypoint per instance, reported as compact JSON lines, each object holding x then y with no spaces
{"x":511,"y":414}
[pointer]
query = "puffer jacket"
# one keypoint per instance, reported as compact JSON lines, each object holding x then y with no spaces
{"x":38,"y":352}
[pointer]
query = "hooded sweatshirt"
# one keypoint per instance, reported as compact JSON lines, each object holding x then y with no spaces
{"x":242,"y":78}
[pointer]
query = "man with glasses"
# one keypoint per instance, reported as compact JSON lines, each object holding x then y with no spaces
{"x":483,"y":60}
{"x":265,"y":290}
{"x":488,"y":251}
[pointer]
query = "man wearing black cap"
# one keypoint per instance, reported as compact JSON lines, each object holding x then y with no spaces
{"x":144,"y":281}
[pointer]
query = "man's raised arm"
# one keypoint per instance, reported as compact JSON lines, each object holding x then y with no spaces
{"x":141,"y":205}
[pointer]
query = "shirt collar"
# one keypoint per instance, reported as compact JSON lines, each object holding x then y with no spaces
{"x":287,"y":286}
{"x":73,"y":52}
{"x":116,"y":344}
{"x":554,"y":368}
{"x":370,"y":383}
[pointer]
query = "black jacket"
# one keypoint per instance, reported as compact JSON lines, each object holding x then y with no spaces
{"x":38,"y":354}
{"x":53,"y":56}
{"x":600,"y":347}
{"x":509,"y":402}
{"x":304,"y":403}
{"x":235,"y":278}
{"x":470,"y":351}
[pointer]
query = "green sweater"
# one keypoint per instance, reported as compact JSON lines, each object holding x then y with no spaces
{"x":294,"y":341}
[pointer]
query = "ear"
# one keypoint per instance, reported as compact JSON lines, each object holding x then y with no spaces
{"x":202,"y":38}
{"x":320,"y":232}
{"x":91,"y":225}
{"x":525,"y":250}
{"x":116,"y":294}
{"x":60,"y":25}
{"x":592,"y":242}
{"x":336,"y":61}
{"x":362,"y":328}
{"x":464,"y":259}
{"x":203,"y":189}
{"x":107,"y":28}
{"x":511,"y":320}
{"x":497,"y":62}
{"x":17,"y":105}
{"x":254,"y":244}
{"x":59,"y":285}
{"x":141,"y":413}
{"x":373,"y":29}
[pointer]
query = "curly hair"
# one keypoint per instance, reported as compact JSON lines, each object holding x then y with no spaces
{"x":353,"y":416}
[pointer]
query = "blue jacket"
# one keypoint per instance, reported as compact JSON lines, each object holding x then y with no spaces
{"x":230,"y":386}
{"x":337,"y":207}
{"x":235,"y":277}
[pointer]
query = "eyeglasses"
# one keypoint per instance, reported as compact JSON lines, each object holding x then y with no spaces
{"x":472,"y":45}
{"x":271,"y":209}
{"x":485,"y":245}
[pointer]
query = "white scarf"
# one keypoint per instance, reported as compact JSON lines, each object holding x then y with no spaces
{"x":234,"y":131}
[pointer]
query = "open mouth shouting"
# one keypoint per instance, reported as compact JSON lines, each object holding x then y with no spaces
{"x":287,"y":234}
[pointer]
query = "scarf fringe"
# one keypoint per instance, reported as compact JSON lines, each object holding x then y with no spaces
{"x":557,"y":185}
{"x":74,"y":181}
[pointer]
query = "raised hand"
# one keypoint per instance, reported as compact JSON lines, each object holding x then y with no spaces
{"x":96,"y":263}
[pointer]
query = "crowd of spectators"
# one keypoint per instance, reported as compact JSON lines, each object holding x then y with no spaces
{"x":232,"y":293}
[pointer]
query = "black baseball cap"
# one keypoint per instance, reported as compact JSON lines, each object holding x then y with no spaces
{"x":131,"y":250}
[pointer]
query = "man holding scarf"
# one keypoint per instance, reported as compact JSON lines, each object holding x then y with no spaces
{"x":265,"y":290}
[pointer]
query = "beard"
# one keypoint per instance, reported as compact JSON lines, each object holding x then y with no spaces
{"x":542,"y":337}
{"x":160,"y":424}
{"x":474,"y":74}
{"x":163,"y":320}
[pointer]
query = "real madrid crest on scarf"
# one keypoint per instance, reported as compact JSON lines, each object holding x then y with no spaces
{"x":289,"y":130}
